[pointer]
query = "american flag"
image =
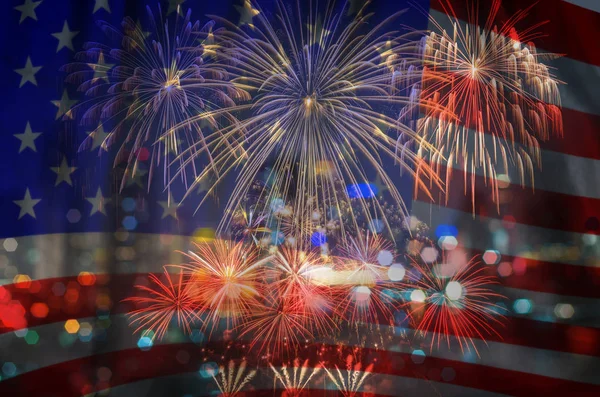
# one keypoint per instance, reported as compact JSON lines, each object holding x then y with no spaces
{"x":74,"y":243}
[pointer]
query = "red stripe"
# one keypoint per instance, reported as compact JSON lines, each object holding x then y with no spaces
{"x":77,"y":377}
{"x":520,"y":204}
{"x":576,"y":42}
{"x":580,"y":129}
{"x":517,"y":331}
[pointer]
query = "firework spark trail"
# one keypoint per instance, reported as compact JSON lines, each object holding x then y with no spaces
{"x":149,"y":84}
{"x":297,"y":226}
{"x":231,"y":381}
{"x":277,"y":325}
{"x":365,"y":250}
{"x":350,"y":384}
{"x":296,"y":279}
{"x":499,"y":98}
{"x":315,"y":100}
{"x":249,"y":223}
{"x":369,"y":295}
{"x":296,"y":382}
{"x":228,"y":276}
{"x":300,"y":226}
{"x":371,"y":222}
{"x":164,"y":302}
{"x":459,"y":301}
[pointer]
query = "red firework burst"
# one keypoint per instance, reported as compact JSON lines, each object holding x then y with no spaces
{"x":367,"y":253}
{"x":228,"y":280}
{"x":455,"y":300}
{"x":298,"y":280}
{"x":497,"y":99}
{"x":368,"y":295}
{"x":276,"y":326}
{"x":174,"y":298}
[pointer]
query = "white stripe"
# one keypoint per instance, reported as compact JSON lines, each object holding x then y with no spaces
{"x":44,"y":256}
{"x":522,"y":359}
{"x":579,"y":77}
{"x":483,"y":233}
{"x":559,"y":172}
{"x":543,"y":304}
{"x":560,"y":365}
{"x":563,"y":173}
{"x":592,"y":5}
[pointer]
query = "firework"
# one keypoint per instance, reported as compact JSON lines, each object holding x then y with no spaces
{"x":228,"y":277}
{"x":231,"y":381}
{"x":303,"y":226}
{"x":349,"y":385}
{"x":368,"y":250}
{"x":498,"y":98}
{"x":357,"y":216}
{"x":165,"y":301}
{"x":297,"y":279}
{"x":457,"y":301}
{"x":148,"y":84}
{"x":370,"y":295}
{"x":319,"y":108}
{"x":381,"y":217}
{"x":295,"y":378}
{"x":249,"y":223}
{"x":279,"y":221}
{"x":299,"y":227}
{"x":277,"y":325}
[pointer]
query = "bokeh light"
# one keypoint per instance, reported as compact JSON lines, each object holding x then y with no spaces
{"x":522,"y":306}
{"x":396,"y":272}
{"x":73,"y":215}
{"x":491,"y":257}
{"x":447,"y":243}
{"x":362,"y":293}
{"x":145,"y":343}
{"x":72,"y":326}
{"x":454,"y":290}
{"x":317,"y":239}
{"x":39,"y":310}
{"x":10,"y":244}
{"x":32,"y":337}
{"x":505,"y":269}
{"x":429,"y":254}
{"x":564,"y":310}
{"x":362,"y":190}
{"x":129,"y":222}
{"x":9,"y":369}
{"x":417,"y":296}
{"x":446,"y":230}
{"x":376,"y":226}
{"x":209,"y":370}
{"x":385,"y":258}
{"x":128,"y":204}
{"x":418,"y":356}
